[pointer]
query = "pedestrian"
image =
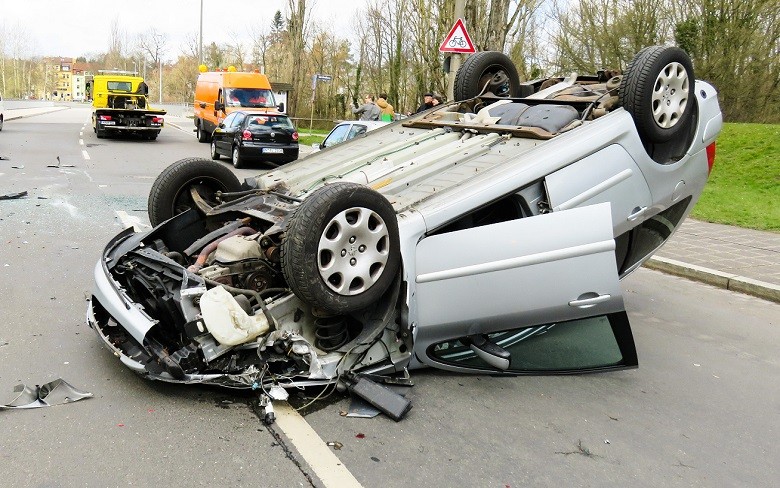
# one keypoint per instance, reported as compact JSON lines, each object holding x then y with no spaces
{"x":369,"y":110}
{"x":427,"y":103}
{"x":386,"y":112}
{"x":436,"y":100}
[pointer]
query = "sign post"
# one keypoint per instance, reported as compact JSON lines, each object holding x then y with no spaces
{"x":457,"y":42}
{"x":314,"y":79}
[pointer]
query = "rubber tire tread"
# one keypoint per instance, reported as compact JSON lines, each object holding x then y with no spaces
{"x":469,"y":73}
{"x":301,"y":238}
{"x":636,"y":89}
{"x":213,"y":150}
{"x":203,"y":136}
{"x":238,"y":162}
{"x":168,"y":183}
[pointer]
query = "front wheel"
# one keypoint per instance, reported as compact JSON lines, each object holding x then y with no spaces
{"x":657,"y":89}
{"x":214,"y":153}
{"x":340,"y":251}
{"x":188,"y":184}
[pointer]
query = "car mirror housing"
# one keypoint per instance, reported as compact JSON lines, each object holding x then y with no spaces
{"x":280,"y":107}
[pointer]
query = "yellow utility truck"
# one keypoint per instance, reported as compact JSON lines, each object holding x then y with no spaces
{"x":121,"y":105}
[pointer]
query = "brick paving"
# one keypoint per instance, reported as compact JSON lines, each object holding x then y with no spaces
{"x":749,"y":253}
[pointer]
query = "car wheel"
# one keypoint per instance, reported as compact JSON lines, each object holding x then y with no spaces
{"x":238,"y":161}
{"x":171,"y":192}
{"x":340,"y":251}
{"x":214,"y":153}
{"x":488,"y":71}
{"x":1,"y":123}
{"x":203,"y":136}
{"x":657,"y":89}
{"x":101,"y":133}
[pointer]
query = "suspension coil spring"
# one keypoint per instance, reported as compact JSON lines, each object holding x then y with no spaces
{"x":331,"y":332}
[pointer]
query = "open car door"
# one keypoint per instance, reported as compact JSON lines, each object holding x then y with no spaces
{"x":536,"y":295}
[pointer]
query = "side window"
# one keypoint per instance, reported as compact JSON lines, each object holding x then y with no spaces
{"x":339,"y":134}
{"x":238,"y":120}
{"x":229,"y":119}
{"x":356,"y":130}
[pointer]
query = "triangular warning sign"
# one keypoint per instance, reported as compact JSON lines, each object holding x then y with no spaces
{"x":458,"y":40}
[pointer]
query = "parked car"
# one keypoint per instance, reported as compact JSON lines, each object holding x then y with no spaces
{"x":251,"y":136}
{"x":486,"y":235}
{"x":2,"y":112}
{"x":349,"y":129}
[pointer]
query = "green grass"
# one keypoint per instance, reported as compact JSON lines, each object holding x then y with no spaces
{"x":307,"y":139}
{"x":744,"y":187}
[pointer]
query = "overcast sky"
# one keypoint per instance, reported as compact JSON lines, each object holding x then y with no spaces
{"x":74,"y":28}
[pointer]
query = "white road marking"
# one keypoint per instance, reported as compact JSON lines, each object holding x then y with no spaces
{"x":81,"y":141}
{"x":131,"y":221}
{"x":85,"y":154}
{"x":81,"y":134}
{"x":317,"y":454}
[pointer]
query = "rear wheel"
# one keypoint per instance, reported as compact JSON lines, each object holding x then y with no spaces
{"x":657,"y":89}
{"x":340,"y":250}
{"x":203,"y":136}
{"x":186,"y":183}
{"x":214,"y":153}
{"x":488,"y":72}
{"x":238,"y":161}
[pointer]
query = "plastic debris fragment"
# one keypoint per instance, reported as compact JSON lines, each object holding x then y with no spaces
{"x":57,"y":392}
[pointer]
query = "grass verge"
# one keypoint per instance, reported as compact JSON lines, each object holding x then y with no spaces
{"x":744,"y":187}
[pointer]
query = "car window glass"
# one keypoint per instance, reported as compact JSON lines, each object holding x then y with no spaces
{"x":565,"y":346}
{"x":337,"y":135}
{"x":238,"y":120}
{"x":356,"y":130}
{"x":229,"y":119}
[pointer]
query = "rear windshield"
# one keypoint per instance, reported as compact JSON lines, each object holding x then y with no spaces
{"x":120,"y":86}
{"x":250,"y":97}
{"x":270,"y":121}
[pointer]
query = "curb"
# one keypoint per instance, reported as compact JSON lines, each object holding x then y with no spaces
{"x":727,"y":281}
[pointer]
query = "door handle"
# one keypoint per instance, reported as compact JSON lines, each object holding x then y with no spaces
{"x":637,"y":212}
{"x":589,"y":302}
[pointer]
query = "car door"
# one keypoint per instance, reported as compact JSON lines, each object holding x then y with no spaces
{"x":222,"y":135}
{"x":337,"y":135}
{"x":609,"y":175}
{"x":534,"y":295}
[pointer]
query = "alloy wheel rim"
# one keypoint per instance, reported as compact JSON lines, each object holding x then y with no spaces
{"x":670,"y":95}
{"x":353,"y":251}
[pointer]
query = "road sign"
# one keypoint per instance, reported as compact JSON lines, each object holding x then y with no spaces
{"x":458,"y":40}
{"x":324,"y":77}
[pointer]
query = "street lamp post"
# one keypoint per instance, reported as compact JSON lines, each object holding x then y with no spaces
{"x":200,"y":36}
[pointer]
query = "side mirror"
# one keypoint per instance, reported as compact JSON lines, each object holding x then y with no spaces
{"x":219,"y":105}
{"x":316,"y":145}
{"x":221,"y":125}
{"x":280,"y":107}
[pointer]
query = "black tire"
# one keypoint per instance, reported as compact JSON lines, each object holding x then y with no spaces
{"x":371,"y":242}
{"x":1,"y":123}
{"x":170,"y":193}
{"x":214,"y":153}
{"x":489,"y":67}
{"x":236,"y":159}
{"x":657,"y":89}
{"x":203,"y":136}
{"x":101,"y":133}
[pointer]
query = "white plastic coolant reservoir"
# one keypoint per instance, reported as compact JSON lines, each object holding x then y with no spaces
{"x":227,"y":321}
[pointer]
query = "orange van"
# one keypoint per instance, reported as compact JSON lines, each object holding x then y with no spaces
{"x":217,"y":93}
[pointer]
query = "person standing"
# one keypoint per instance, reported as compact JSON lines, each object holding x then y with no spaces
{"x":386,"y":112}
{"x":427,"y":103}
{"x":369,"y":110}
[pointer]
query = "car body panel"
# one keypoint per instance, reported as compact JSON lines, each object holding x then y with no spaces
{"x":505,"y":233}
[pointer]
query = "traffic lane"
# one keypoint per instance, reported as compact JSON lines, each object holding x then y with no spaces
{"x":132,"y":426}
{"x":702,"y":409}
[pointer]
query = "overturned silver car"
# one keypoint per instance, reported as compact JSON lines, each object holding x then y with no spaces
{"x":485,"y":235}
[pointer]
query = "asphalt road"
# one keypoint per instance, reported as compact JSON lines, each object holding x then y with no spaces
{"x":703,"y":409}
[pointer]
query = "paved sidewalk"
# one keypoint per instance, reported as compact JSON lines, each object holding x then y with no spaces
{"x":743,"y":260}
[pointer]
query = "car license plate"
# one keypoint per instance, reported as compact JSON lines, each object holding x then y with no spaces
{"x":273,"y":150}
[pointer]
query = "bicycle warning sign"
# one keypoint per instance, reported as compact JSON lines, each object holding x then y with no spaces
{"x":458,"y":40}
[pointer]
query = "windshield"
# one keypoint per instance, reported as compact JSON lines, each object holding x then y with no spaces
{"x":120,"y":86}
{"x":250,"y":97}
{"x":269,"y":121}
